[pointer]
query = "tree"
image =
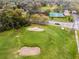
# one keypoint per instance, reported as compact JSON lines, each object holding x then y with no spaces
{"x":20,"y":16}
{"x":39,"y":19}
{"x":13,"y":18}
{"x":1,"y":4}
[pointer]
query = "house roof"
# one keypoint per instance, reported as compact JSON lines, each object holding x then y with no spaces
{"x":52,"y":14}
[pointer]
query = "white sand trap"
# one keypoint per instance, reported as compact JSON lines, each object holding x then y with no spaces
{"x":29,"y":51}
{"x":17,"y":36}
{"x":35,"y":29}
{"x":62,"y":28}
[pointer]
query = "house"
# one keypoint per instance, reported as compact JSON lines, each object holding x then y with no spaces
{"x":66,"y":13}
{"x":1,"y":10}
{"x":74,"y":12}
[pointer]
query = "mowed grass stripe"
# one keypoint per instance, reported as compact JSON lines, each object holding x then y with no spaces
{"x":54,"y":43}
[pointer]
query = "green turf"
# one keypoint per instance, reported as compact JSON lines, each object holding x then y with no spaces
{"x":54,"y":43}
{"x":63,"y":19}
{"x":78,"y":53}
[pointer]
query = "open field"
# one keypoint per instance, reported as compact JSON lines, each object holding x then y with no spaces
{"x":54,"y":43}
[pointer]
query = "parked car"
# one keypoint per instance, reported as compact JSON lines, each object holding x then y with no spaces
{"x":57,"y":24}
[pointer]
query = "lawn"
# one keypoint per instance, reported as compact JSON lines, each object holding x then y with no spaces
{"x":78,"y":53}
{"x":63,"y":19}
{"x":54,"y":43}
{"x":51,"y":8}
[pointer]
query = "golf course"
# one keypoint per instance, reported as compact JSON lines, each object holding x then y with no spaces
{"x":53,"y":42}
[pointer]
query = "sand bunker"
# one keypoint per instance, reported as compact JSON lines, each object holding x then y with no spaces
{"x":35,"y":29}
{"x":17,"y":36}
{"x":29,"y":51}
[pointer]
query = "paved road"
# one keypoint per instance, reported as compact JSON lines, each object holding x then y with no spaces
{"x":72,"y":25}
{"x":76,"y":26}
{"x":62,"y":24}
{"x":76,"y":21}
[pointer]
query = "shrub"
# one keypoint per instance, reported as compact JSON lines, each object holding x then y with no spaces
{"x":13,"y":18}
{"x":39,"y":19}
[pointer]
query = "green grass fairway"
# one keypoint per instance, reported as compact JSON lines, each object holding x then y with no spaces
{"x":54,"y":43}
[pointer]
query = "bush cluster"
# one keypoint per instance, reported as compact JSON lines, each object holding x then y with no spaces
{"x":13,"y":18}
